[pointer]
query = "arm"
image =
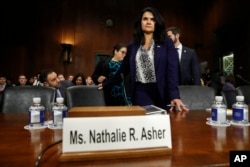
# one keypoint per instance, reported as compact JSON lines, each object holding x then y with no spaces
{"x":173,"y":79}
{"x":100,"y":72}
{"x":124,"y":70}
{"x":172,"y":72}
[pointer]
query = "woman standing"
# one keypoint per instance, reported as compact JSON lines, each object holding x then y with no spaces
{"x":152,"y":62}
{"x":115,"y":93}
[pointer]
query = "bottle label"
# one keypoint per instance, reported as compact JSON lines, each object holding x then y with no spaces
{"x":36,"y":117}
{"x":42,"y":116}
{"x":65,"y":113}
{"x":58,"y":116}
{"x":219,"y":115}
{"x":214,"y":114}
{"x":238,"y":114}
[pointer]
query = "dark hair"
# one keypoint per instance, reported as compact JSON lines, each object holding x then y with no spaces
{"x":2,"y":76}
{"x":175,"y":30}
{"x":44,"y":75}
{"x":79,"y":75}
{"x":159,"y":33}
{"x":118,"y":46}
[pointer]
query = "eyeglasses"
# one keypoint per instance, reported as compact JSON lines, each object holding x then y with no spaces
{"x":123,"y":52}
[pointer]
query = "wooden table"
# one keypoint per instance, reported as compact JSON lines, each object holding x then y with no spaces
{"x":194,"y":144}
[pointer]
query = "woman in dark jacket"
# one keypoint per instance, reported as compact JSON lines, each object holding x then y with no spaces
{"x":115,"y":94}
{"x":152,"y":63}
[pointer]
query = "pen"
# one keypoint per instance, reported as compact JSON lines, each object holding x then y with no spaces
{"x":173,"y":105}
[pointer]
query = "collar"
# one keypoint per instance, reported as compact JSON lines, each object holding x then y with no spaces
{"x":179,"y":47}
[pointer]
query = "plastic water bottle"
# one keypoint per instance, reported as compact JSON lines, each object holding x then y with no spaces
{"x":36,"y":113}
{"x":219,"y":111}
{"x":240,"y":110}
{"x":59,"y":111}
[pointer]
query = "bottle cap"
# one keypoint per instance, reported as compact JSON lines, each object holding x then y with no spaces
{"x":37,"y":100}
{"x":239,"y":98}
{"x":59,"y":100}
{"x":218,"y":98}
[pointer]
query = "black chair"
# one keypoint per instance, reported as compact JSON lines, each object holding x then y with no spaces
{"x":1,"y":95}
{"x":20,"y":98}
{"x":66,"y":83}
{"x":197,"y":97}
{"x":229,"y":97}
{"x":244,"y":91}
{"x":83,"y":95}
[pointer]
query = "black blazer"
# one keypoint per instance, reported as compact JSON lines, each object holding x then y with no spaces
{"x":189,"y":67}
{"x":102,"y":68}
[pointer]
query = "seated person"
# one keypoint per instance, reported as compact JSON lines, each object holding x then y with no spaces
{"x":229,"y":83}
{"x":89,"y":81}
{"x":49,"y":78}
{"x":3,"y":83}
{"x":22,"y":80}
{"x":79,"y":79}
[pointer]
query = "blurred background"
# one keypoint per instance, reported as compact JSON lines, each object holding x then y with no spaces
{"x":70,"y":36}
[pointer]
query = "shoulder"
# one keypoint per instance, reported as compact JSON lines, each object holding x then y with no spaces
{"x":167,"y":42}
{"x":132,"y":44}
{"x":8,"y":85}
{"x":188,"y":49}
{"x":104,"y":62}
{"x":132,"y":47}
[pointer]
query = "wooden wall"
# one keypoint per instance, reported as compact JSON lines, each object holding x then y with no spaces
{"x":32,"y":30}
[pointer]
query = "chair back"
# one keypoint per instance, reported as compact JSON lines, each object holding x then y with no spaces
{"x":244,"y":91}
{"x":197,"y":97}
{"x":1,"y":97}
{"x":20,"y":98}
{"x":83,"y":95}
{"x":229,"y":97}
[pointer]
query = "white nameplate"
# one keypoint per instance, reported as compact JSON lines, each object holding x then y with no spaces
{"x":116,"y":133}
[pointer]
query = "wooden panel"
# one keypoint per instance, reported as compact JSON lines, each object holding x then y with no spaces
{"x":40,"y":30}
{"x":106,"y":111}
{"x":132,"y":153}
{"x":194,"y":144}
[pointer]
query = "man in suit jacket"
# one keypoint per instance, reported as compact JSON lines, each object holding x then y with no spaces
{"x":49,"y":78}
{"x":3,"y":83}
{"x":189,"y":63}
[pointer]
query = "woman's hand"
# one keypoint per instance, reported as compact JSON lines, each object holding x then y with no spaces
{"x":101,"y":79}
{"x":100,"y":86}
{"x":178,"y":104}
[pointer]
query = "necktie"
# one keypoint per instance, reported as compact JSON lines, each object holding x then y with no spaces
{"x":179,"y":53}
{"x":58,"y":93}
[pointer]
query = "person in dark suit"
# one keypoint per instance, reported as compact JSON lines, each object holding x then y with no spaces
{"x":189,"y":64}
{"x":152,"y":64}
{"x":3,"y":86}
{"x":49,"y":78}
{"x":4,"y":83}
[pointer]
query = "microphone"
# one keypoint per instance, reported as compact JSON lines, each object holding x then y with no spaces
{"x":240,"y":77}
